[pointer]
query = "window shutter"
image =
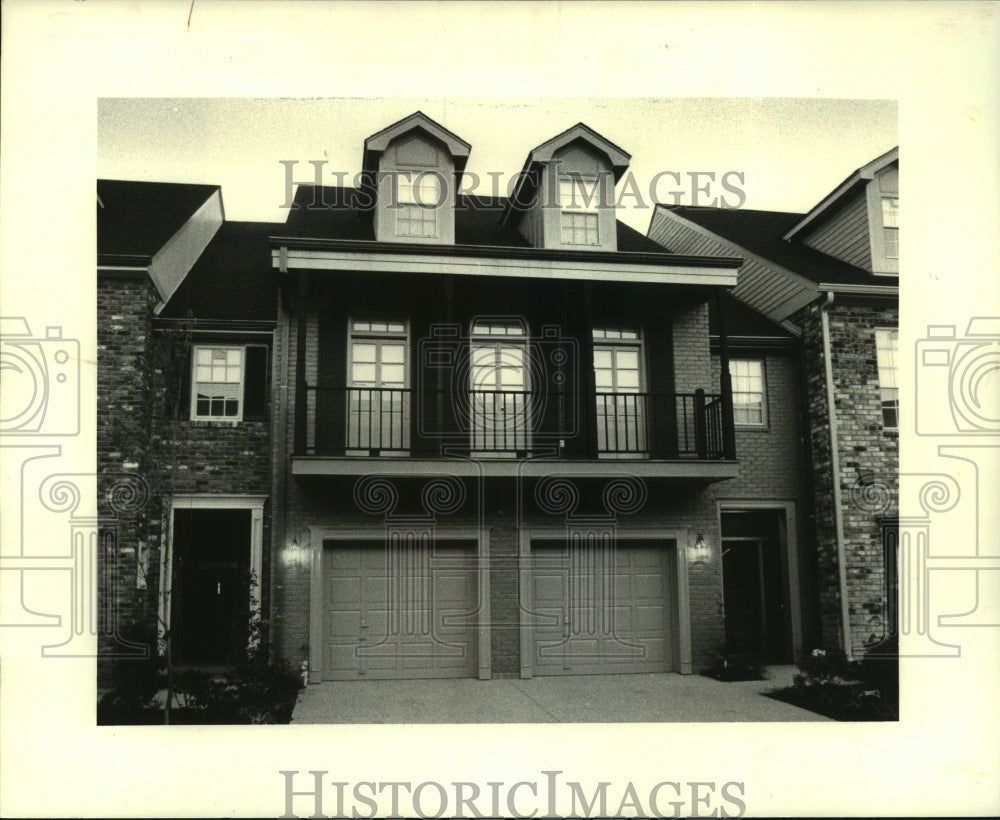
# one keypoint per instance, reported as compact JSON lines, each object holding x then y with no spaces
{"x":182,"y":409}
{"x":255,"y":383}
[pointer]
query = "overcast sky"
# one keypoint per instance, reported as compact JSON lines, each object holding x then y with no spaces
{"x":791,"y":152}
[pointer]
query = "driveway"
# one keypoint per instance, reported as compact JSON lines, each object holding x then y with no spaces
{"x":652,"y":698}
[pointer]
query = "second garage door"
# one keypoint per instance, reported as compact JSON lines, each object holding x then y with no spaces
{"x":601,"y":608}
{"x":399,"y":611}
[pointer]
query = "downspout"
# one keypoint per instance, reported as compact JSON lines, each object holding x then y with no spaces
{"x":838,"y":519}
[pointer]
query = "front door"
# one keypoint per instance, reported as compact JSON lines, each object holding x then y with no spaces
{"x":210,"y":612}
{"x":755,"y":585}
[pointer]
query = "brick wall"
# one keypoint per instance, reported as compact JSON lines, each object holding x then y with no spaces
{"x":124,"y":412}
{"x":866,"y":451}
{"x":140,"y":433}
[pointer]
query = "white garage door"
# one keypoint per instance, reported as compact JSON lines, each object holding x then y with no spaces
{"x":602,"y":608}
{"x":401,"y":611}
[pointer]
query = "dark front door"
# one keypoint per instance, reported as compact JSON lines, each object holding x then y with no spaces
{"x":211,"y":595}
{"x":755,"y":585}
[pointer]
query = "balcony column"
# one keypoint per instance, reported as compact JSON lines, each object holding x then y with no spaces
{"x":725,"y":384}
{"x":299,"y":303}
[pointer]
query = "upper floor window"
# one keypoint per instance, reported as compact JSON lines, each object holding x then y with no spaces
{"x":499,"y":387}
{"x":378,"y":401}
{"x":578,"y":199}
{"x":887,"y":348}
{"x":418,"y":194}
{"x":621,"y":410}
{"x":747,"y":379}
{"x":229,"y":382}
{"x":890,"y":226}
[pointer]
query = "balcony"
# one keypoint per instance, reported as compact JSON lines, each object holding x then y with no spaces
{"x":363,"y":429}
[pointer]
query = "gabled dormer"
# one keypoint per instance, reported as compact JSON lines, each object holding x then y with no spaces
{"x":414,"y":168}
{"x":858,"y":222}
{"x":565,"y":194}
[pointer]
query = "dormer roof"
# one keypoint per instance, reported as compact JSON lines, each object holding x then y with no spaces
{"x":857,"y":180}
{"x":377,"y":143}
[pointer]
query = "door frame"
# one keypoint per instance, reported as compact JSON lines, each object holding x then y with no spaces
{"x":789,"y":553}
{"x":209,"y":501}
{"x":317,"y":535}
{"x":680,"y":536}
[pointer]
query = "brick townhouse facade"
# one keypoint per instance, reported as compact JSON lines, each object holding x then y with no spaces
{"x":831,"y":277}
{"x":423,"y":434}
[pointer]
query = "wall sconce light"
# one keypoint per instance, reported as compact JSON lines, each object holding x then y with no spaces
{"x":701,"y":552}
{"x":295,"y":555}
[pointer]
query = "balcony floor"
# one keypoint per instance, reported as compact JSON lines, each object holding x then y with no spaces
{"x":707,"y":469}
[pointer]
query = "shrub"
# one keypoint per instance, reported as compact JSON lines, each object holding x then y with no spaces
{"x":741,"y":655}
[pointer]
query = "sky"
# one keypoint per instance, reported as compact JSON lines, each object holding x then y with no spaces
{"x":790,"y":152}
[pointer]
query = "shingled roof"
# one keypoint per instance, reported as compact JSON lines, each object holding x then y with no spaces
{"x":138,"y":218}
{"x":761,"y":232}
{"x":328,"y":212}
{"x":233,"y":279}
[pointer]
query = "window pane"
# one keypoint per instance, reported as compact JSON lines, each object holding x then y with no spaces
{"x":602,"y":358}
{"x":363,"y":373}
{"x":392,"y":374}
{"x":603,"y":379}
{"x":364,"y":352}
{"x":627,"y":359}
{"x":203,"y":355}
{"x":392,"y":354}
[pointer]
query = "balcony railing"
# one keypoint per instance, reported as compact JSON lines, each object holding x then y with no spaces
{"x":352,"y":421}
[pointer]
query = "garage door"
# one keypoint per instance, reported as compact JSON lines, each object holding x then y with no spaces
{"x":601,"y":608}
{"x":400,"y":611}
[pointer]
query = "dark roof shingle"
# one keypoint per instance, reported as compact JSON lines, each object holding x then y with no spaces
{"x":233,"y":279}
{"x":137,"y":218}
{"x":761,"y":232}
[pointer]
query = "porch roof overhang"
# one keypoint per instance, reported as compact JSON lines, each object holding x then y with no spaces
{"x":303,"y":253}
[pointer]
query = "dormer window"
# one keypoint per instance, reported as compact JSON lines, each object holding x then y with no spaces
{"x":890,"y":226}
{"x":418,"y":198}
{"x":578,"y":199}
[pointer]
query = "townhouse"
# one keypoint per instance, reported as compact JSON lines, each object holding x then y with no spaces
{"x":417,"y":433}
{"x":831,"y":277}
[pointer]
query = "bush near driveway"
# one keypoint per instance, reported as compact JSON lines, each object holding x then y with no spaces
{"x":831,"y":685}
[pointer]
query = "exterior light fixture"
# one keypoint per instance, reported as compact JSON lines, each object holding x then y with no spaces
{"x":294,"y":555}
{"x":701,"y":552}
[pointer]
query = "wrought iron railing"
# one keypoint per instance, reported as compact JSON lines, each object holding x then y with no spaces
{"x":398,"y":421}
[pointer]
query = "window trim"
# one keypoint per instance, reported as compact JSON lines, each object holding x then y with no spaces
{"x":892,"y":332}
{"x":402,"y":207}
{"x":587,"y":207}
{"x":192,"y":382}
{"x":885,"y":245}
{"x":194,"y":415}
{"x":765,"y":421}
{"x":380,"y":335}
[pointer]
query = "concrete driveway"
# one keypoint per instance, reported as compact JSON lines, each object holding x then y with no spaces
{"x":652,"y":698}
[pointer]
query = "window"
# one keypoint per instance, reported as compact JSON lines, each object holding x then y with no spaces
{"x":747,"y":379}
{"x":887,"y":347}
{"x":890,"y":226}
{"x":498,"y":387}
{"x":378,"y":401}
{"x":578,"y":199}
{"x":418,"y":194}
{"x":621,"y":426}
{"x":229,"y":382}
